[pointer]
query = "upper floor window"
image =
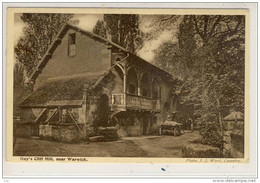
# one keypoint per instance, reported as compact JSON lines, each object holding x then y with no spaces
{"x":145,"y":86}
{"x":131,"y":89}
{"x":155,"y":95}
{"x":72,"y":44}
{"x":132,"y":81}
{"x":156,"y":89}
{"x":145,"y":92}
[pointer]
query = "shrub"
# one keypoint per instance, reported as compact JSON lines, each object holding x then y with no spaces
{"x":211,"y":134}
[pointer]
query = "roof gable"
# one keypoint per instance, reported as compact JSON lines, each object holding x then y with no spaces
{"x":234,"y":116}
{"x":57,"y":40}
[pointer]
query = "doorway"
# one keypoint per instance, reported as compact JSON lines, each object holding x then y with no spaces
{"x":104,"y":110}
{"x":146,"y":124}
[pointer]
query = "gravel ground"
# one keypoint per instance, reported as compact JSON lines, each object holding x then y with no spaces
{"x":144,"y":146}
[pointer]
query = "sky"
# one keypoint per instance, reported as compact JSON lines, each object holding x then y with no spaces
{"x":88,"y":21}
{"x":18,"y":27}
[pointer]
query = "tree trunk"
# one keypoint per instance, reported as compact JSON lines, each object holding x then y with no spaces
{"x":221,"y":127}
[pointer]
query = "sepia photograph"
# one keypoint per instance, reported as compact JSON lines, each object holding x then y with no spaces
{"x":131,"y":84}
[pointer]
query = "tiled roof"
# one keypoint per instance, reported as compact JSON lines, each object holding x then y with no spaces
{"x":234,"y":116}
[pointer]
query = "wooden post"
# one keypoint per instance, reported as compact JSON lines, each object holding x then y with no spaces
{"x":85,"y":103}
{"x":139,"y":87}
{"x":29,"y":129}
{"x":125,"y":78}
{"x":151,"y":87}
{"x":86,"y":139}
{"x":139,"y":82}
{"x":60,"y":114}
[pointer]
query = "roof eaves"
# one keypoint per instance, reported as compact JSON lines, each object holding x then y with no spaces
{"x":161,"y":70}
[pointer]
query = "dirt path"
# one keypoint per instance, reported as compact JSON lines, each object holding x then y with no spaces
{"x":166,"y":146}
{"x":162,"y":146}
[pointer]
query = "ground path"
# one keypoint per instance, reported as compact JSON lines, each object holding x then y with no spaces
{"x":144,"y":146}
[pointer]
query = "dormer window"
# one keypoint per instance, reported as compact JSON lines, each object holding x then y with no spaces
{"x":72,"y":45}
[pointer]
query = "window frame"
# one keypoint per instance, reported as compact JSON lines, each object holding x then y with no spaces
{"x":71,"y":45}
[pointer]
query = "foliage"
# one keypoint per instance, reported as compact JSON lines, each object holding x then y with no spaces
{"x":122,"y":29}
{"x":100,"y":29}
{"x":209,"y":58}
{"x":39,"y":32}
{"x":156,"y":24}
{"x":19,"y":89}
{"x":211,"y":135}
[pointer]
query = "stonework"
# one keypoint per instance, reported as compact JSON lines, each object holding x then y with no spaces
{"x":195,"y":150}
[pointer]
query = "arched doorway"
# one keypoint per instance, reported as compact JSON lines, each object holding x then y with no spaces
{"x":103,"y":111}
{"x":145,"y":85}
{"x":166,"y":110}
{"x":118,"y":87}
{"x":156,"y":89}
{"x":133,"y":125}
{"x":132,"y":82}
{"x":146,"y":121}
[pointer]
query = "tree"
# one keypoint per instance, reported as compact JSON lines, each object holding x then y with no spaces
{"x":210,"y":58}
{"x":223,"y":60}
{"x":19,"y":89}
{"x":100,"y":29}
{"x":39,"y":32}
{"x":122,"y":29}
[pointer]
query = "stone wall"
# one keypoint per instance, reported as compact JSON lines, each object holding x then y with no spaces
{"x":237,"y":143}
{"x":234,"y":139}
{"x":68,"y":133}
{"x":22,"y":129}
{"x":196,"y":150}
{"x":26,"y":129}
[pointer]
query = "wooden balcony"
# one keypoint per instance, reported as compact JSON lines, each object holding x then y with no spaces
{"x":122,"y":102}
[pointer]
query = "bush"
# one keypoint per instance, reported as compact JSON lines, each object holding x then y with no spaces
{"x":211,"y":135}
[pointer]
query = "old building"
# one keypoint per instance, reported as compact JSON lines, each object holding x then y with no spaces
{"x":90,"y":81}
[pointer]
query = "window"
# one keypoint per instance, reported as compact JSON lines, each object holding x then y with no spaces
{"x":145,"y":92}
{"x":72,"y":39}
{"x":72,"y":45}
{"x":131,"y":89}
{"x":155,"y":95}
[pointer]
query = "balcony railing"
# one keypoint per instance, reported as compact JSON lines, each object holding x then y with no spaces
{"x":121,"y":101}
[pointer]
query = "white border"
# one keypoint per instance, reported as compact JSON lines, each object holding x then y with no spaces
{"x":144,"y":170}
